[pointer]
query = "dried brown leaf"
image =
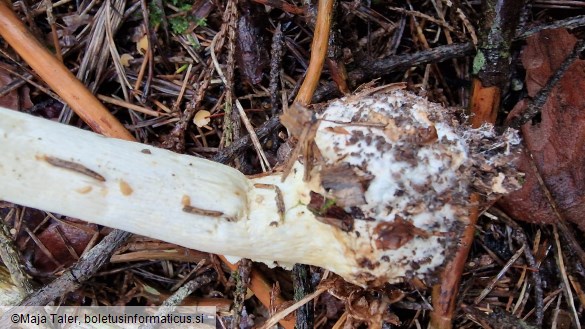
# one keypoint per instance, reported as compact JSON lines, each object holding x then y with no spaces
{"x":10,"y":100}
{"x":344,"y":185}
{"x":251,"y":52}
{"x":557,"y":142}
{"x":14,"y":99}
{"x":326,"y":211}
{"x":296,"y":118}
{"x":66,"y":242}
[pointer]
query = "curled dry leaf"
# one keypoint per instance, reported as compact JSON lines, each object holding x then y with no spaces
{"x":557,"y":140}
{"x":14,"y":99}
{"x":10,"y":100}
{"x":57,"y":245}
{"x":345,"y":185}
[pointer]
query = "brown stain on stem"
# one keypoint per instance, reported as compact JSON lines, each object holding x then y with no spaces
{"x":125,"y":188}
{"x":84,"y":190}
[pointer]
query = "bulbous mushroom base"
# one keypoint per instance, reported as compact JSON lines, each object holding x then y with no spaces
{"x":396,"y":172}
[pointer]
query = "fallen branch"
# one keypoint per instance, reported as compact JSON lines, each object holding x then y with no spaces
{"x":84,"y":269}
{"x":445,"y":293}
{"x":11,"y":259}
{"x":385,"y":200}
{"x":369,"y":69}
{"x":318,"y":52}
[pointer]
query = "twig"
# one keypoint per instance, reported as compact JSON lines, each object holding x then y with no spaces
{"x":178,"y":296}
{"x":129,"y":106}
{"x":373,"y":69}
{"x":243,"y":116}
{"x":282,"y":314}
{"x":565,"y":279}
{"x":437,"y":54}
{"x":275,"y":67}
{"x":186,"y":290}
{"x":491,"y":65}
{"x":567,"y":23}
{"x":242,"y":276}
{"x":11,"y":258}
{"x":229,"y":153}
{"x":341,"y":321}
{"x":520,"y":236}
{"x":578,"y":290}
{"x":143,"y":66}
{"x":318,"y":52}
{"x":498,"y":319}
{"x":261,"y":288}
{"x":231,"y":121}
{"x":183,"y":87}
{"x":503,"y":271}
{"x":415,"y":13}
{"x":445,"y":293}
{"x":83,"y":270}
{"x":302,"y":287}
{"x":55,"y":37}
{"x":149,"y":51}
{"x":556,"y":312}
{"x":539,"y":100}
{"x":547,"y":301}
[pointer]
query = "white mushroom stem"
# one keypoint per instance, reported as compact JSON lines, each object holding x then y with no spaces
{"x":181,"y":199}
{"x":397,"y":231}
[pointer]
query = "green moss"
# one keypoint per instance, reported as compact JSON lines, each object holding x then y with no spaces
{"x":193,"y":42}
{"x":200,"y":21}
{"x":155,"y":14}
{"x":180,"y":23}
{"x":328,"y":204}
{"x":478,"y":62}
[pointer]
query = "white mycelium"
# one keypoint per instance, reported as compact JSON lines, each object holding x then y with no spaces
{"x":387,"y":195}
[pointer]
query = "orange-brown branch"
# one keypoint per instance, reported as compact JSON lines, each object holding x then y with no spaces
{"x":318,"y":52}
{"x":445,"y":293}
{"x":484,"y":104}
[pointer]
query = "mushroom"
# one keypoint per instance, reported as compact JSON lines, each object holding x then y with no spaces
{"x":384,"y":197}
